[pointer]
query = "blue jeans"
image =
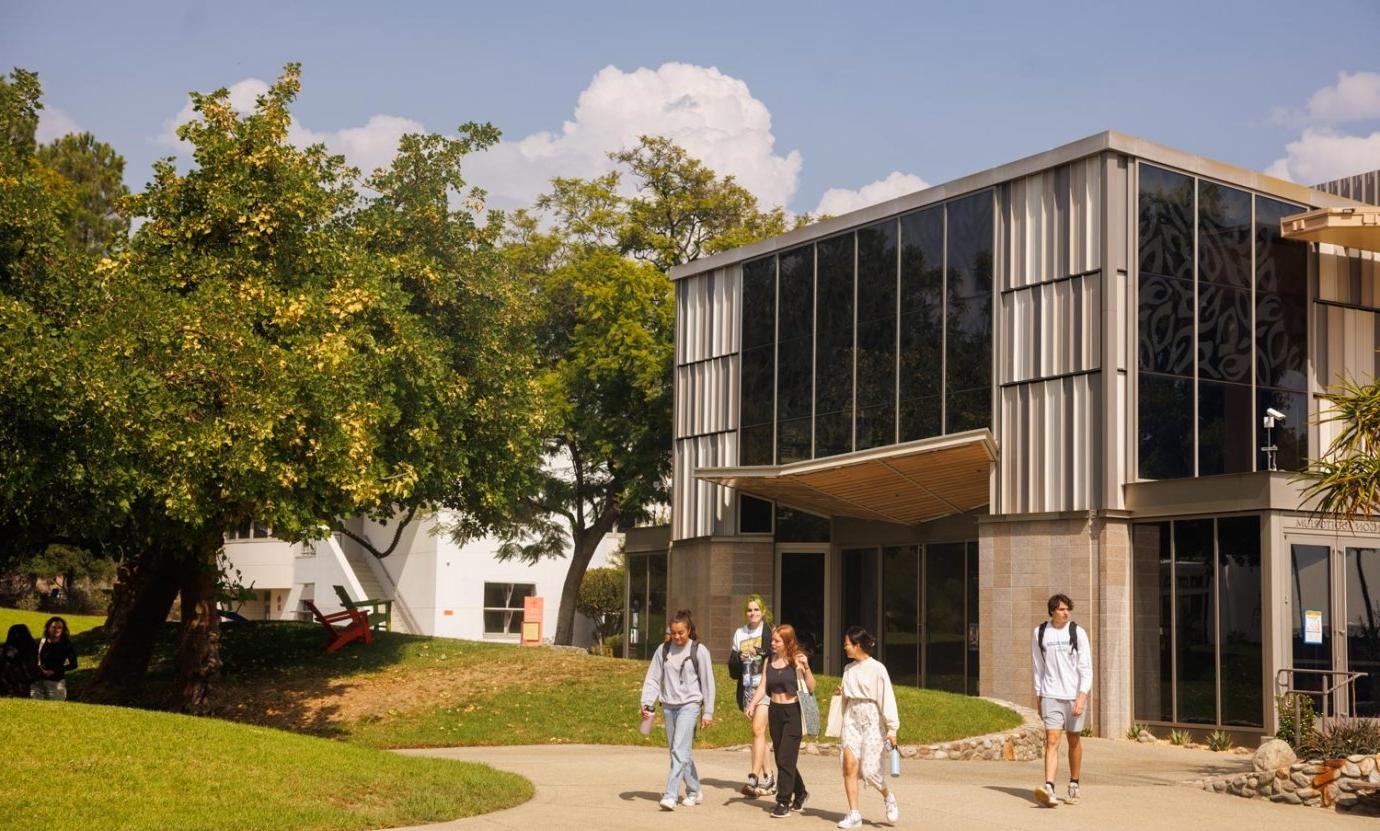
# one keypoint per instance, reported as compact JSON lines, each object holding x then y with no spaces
{"x":680,"y":735}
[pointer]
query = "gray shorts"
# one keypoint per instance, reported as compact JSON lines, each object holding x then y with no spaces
{"x":1057,"y":714}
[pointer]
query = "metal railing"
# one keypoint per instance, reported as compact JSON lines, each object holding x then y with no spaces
{"x":1331,"y":682}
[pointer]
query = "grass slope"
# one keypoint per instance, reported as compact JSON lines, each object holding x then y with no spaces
{"x":75,"y":766}
{"x":409,"y":691}
{"x":35,"y":621}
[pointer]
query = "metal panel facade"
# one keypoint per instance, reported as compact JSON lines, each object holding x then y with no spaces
{"x":706,"y":400}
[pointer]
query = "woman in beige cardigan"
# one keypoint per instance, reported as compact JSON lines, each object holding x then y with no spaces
{"x":870,"y":722}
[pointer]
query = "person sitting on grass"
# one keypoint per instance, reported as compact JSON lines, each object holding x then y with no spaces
{"x":55,"y":658}
{"x":18,"y":662}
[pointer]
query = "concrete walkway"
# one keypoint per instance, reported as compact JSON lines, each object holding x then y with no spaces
{"x":1125,"y":787}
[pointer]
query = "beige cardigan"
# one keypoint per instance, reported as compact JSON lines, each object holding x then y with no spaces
{"x":867,"y":680}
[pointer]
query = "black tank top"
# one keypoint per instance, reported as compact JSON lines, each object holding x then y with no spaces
{"x":782,"y":680}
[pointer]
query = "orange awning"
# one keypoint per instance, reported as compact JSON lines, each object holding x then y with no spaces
{"x":904,"y":483}
{"x":1357,"y":227}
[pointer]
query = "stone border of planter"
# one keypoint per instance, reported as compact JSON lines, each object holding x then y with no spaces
{"x":1319,"y":783}
{"x":1019,"y":744}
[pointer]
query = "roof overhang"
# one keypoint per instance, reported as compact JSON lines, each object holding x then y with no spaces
{"x":904,"y":483}
{"x":1357,"y":227}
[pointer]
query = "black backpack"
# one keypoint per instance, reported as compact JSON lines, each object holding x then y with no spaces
{"x":1073,"y":636}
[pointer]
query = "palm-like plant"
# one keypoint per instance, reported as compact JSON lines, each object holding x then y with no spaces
{"x":1346,"y":480}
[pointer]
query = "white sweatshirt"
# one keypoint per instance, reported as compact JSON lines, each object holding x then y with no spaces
{"x":675,"y":680}
{"x":1060,"y":671}
{"x":868,"y":680}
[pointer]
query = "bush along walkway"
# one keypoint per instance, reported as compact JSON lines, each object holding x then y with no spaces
{"x":1349,"y":784}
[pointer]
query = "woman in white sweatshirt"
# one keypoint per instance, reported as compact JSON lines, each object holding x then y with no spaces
{"x":870,"y":722}
{"x":681,"y":677}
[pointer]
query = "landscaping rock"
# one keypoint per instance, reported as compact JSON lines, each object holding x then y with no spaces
{"x":1274,"y":754}
{"x":1145,"y":737}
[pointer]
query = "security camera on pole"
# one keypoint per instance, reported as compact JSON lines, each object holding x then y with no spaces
{"x":1271,"y":416}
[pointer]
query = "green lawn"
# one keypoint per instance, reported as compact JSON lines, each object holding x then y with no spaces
{"x":409,"y":691}
{"x":35,"y":621}
{"x":70,"y":766}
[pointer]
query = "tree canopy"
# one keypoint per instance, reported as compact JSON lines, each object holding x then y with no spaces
{"x":594,"y":254}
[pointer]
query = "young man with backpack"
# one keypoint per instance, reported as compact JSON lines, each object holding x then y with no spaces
{"x":1063,"y":679}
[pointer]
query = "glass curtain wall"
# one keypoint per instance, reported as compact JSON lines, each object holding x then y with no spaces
{"x":882,"y":335}
{"x":646,"y":613}
{"x":1198,"y":644}
{"x":929,"y":615}
{"x":1212,"y":261}
{"x":756,"y":440}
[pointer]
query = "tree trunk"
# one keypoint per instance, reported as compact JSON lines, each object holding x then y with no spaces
{"x":198,"y":650}
{"x":144,"y":593}
{"x":586,"y":542}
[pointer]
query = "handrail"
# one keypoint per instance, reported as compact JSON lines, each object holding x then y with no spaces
{"x":1329,"y":683}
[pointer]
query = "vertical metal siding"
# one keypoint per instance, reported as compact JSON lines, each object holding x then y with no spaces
{"x":708,"y":312}
{"x":1050,"y":319}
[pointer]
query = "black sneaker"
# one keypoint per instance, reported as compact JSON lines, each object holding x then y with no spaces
{"x":798,"y":804}
{"x":781,"y":810}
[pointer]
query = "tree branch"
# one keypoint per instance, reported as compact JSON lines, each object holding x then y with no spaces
{"x":337,"y":525}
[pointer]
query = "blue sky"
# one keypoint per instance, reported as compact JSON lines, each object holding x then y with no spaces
{"x":795,"y":99}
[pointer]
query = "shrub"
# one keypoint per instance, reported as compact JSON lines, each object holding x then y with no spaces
{"x":1219,"y":740}
{"x":1086,"y":732}
{"x":1180,"y":738}
{"x":1135,"y":730}
{"x":1340,"y":737}
{"x":1295,"y":734}
{"x":615,"y":645}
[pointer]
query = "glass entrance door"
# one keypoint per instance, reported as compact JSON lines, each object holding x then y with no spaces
{"x":861,"y":589}
{"x":801,"y":602}
{"x":929,"y":615}
{"x":1361,"y":594}
{"x":1310,"y":571}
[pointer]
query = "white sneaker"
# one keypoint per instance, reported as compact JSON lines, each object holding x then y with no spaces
{"x":692,"y":799}
{"x":893,"y":811}
{"x":668,"y":803}
{"x":1074,"y":794}
{"x":1045,"y":796}
{"x":852,"y":819}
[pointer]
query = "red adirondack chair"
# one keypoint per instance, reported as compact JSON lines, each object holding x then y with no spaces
{"x":358,"y":626}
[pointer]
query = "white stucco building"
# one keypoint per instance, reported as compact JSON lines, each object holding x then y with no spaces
{"x":438,"y":587}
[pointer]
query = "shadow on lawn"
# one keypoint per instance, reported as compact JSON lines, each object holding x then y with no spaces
{"x":274,"y":673}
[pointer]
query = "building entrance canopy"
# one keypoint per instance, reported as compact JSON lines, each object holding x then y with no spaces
{"x":1357,"y":227}
{"x":903,"y":483}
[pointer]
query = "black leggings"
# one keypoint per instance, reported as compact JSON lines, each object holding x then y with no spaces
{"x":785,"y":724}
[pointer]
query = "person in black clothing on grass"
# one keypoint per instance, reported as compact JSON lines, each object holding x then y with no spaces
{"x":785,"y":673}
{"x":55,"y":657}
{"x":18,"y":662}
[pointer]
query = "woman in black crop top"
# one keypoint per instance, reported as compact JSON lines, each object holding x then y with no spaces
{"x":787,"y":669}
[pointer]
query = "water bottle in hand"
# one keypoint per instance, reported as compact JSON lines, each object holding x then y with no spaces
{"x":895,"y":759}
{"x":646,"y":726}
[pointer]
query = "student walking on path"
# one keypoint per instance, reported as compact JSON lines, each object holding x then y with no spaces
{"x":55,"y":657}
{"x":786,"y":672}
{"x":1062,"y":658}
{"x":682,"y":678}
{"x":751,"y":647}
{"x":870,"y":722}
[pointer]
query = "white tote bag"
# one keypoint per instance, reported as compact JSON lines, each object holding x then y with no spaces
{"x":834,"y":727}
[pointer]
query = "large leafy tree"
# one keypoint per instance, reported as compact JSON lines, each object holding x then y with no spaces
{"x":94,"y":177}
{"x":595,"y":256}
{"x":276,"y":343}
{"x":1346,"y":480}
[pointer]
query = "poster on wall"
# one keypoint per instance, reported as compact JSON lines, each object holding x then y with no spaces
{"x":1312,"y":627}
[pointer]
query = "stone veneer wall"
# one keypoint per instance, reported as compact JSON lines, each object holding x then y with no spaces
{"x":1325,"y":784}
{"x":1024,"y":561}
{"x":712,"y":578}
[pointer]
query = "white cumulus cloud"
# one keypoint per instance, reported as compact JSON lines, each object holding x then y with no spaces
{"x":1321,"y":154}
{"x":836,"y":201}
{"x":53,"y":123}
{"x":1355,"y":97}
{"x":369,"y":146}
{"x":712,"y":115}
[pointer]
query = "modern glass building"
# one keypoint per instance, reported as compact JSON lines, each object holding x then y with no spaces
{"x":927,"y":416}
